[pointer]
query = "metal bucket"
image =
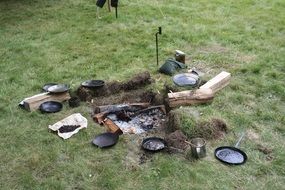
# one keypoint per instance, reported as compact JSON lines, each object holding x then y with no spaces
{"x":198,"y":147}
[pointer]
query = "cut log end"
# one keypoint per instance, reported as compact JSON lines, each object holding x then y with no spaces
{"x":190,"y":97}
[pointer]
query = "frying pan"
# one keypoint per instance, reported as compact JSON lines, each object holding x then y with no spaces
{"x":105,"y":140}
{"x":50,"y":107}
{"x":93,"y":83}
{"x":59,"y":88}
{"x":153,"y":144}
{"x":231,"y":155}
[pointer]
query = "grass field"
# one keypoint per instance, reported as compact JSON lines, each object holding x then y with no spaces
{"x":63,"y":41}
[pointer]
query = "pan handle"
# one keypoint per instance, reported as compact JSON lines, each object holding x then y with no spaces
{"x":241,"y":137}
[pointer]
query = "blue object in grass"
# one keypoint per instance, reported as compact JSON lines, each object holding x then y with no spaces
{"x":186,"y":79}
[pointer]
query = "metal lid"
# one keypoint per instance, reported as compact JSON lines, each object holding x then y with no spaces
{"x":186,"y":79}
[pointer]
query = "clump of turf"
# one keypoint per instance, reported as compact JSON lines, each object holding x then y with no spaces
{"x":194,"y":126}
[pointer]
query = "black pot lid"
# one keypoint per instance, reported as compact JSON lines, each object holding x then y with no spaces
{"x":50,"y":107}
{"x":59,"y":88}
{"x":106,"y":140}
{"x":186,"y":79}
{"x":93,"y":83}
{"x":47,"y":85}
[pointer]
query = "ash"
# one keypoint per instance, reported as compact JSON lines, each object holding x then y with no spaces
{"x":138,"y":122}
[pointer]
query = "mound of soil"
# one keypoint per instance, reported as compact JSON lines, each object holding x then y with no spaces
{"x":138,"y":81}
{"x":264,"y":149}
{"x":177,"y":140}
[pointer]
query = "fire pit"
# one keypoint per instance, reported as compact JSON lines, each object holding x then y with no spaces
{"x":140,"y":121}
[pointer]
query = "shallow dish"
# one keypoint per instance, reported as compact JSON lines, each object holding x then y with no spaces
{"x":47,"y":85}
{"x":59,"y":88}
{"x":50,"y":107}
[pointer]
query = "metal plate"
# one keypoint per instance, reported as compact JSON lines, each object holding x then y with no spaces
{"x":153,"y":144}
{"x":230,"y":155}
{"x":186,"y":79}
{"x":46,"y":86}
{"x":50,"y":107}
{"x":93,"y":83}
{"x":59,"y":88}
{"x":105,"y":140}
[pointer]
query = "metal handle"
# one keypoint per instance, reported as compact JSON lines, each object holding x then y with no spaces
{"x":156,"y":39}
{"x":241,"y":137}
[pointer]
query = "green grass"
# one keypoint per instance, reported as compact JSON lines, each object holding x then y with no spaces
{"x":62,"y":41}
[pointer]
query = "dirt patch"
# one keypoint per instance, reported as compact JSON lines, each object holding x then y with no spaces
{"x":252,"y":135}
{"x":135,"y":154}
{"x":177,"y":140}
{"x":263,"y":149}
{"x":269,"y":157}
{"x":266,"y":151}
{"x":245,"y":58}
{"x":138,"y":81}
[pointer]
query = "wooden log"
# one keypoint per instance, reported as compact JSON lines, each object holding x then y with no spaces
{"x":190,"y":97}
{"x":111,"y":126}
{"x":99,"y":117}
{"x":218,"y":82}
{"x":33,"y":103}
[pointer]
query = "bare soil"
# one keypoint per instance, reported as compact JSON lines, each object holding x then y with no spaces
{"x":138,"y":81}
{"x":177,"y":140}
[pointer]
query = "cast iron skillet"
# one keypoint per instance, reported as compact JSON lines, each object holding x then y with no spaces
{"x":50,"y":107}
{"x":105,"y":140}
{"x":231,"y":155}
{"x":153,"y":144}
{"x":93,"y":83}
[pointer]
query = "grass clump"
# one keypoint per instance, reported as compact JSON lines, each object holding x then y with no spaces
{"x":193,"y":125}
